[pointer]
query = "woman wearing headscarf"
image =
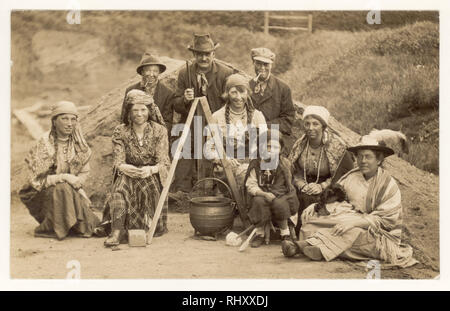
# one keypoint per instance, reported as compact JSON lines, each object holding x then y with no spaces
{"x":365,"y":226}
{"x":141,"y":165}
{"x":58,"y":168}
{"x":317,"y":158}
{"x":235,"y":120}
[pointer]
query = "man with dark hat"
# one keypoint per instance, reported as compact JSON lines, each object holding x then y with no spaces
{"x":270,"y":95}
{"x":150,"y":67}
{"x":206,"y":78}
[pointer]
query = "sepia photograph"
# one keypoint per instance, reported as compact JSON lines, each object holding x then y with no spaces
{"x":224,"y":144}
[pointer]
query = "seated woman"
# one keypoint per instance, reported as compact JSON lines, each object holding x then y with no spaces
{"x":273,"y":197}
{"x":234,"y":121}
{"x":367,"y":225}
{"x":317,"y":158}
{"x":58,"y":168}
{"x":141,"y":164}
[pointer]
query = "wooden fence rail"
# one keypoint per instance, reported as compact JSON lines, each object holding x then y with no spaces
{"x":302,"y":18}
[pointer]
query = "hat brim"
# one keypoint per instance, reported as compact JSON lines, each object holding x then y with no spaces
{"x":385,"y":150}
{"x":263,"y":59}
{"x":191,"y":48}
{"x":162,"y":67}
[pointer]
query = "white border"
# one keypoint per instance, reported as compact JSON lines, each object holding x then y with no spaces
{"x":185,"y":284}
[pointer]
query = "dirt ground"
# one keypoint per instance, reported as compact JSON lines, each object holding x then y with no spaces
{"x":177,"y":254}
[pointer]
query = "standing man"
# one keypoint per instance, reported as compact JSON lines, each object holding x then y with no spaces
{"x":270,"y":95}
{"x":150,"y":68}
{"x":206,"y":78}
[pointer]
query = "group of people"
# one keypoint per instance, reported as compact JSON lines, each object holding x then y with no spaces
{"x":282,"y":191}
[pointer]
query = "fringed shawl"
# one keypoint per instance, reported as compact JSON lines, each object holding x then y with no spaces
{"x":384,"y":214}
{"x":41,"y":157}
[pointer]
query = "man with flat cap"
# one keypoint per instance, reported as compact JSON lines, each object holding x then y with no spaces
{"x":150,"y":67}
{"x":270,"y":95}
{"x":206,"y":78}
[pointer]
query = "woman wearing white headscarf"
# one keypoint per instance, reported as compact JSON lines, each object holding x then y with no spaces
{"x":317,"y":158}
{"x":58,"y":168}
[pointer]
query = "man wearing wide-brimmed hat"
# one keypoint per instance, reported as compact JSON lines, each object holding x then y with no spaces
{"x":269,"y":94}
{"x":150,"y":67}
{"x":206,"y":78}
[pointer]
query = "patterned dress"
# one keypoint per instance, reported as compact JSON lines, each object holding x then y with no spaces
{"x":133,"y":201}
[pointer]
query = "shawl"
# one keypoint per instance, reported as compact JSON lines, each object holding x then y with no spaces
{"x":334,"y":147}
{"x":41,"y":157}
{"x":383,"y":211}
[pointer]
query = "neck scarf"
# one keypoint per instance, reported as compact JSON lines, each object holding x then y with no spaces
{"x":203,"y":83}
{"x":260,"y":85}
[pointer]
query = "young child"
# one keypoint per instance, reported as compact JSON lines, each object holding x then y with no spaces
{"x":268,"y":182}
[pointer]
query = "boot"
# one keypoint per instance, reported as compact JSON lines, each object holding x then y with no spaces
{"x":113,"y":239}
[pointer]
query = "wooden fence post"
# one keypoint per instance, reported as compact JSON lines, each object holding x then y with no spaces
{"x":266,"y":23}
{"x":310,"y":23}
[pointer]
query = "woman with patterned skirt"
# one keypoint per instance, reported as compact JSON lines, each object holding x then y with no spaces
{"x":141,"y":164}
{"x":58,"y":168}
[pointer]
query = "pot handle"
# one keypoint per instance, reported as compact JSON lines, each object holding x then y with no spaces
{"x":216,"y":179}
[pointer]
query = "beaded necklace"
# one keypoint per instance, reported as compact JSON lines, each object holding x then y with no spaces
{"x":318,"y":166}
{"x":65,"y":146}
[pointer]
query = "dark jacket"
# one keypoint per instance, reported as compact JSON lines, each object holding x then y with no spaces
{"x":216,"y":87}
{"x":276,"y":103}
{"x":163,"y":98}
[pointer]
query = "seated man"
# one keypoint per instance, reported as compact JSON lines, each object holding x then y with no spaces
{"x":268,"y":181}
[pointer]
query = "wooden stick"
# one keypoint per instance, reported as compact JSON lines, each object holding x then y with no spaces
{"x":289,"y":28}
{"x":285,"y":17}
{"x":247,"y":242}
{"x":218,"y":143}
{"x":245,"y":231}
{"x":32,"y":125}
{"x":173,"y":166}
{"x":267,"y":233}
{"x":34,"y":108}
